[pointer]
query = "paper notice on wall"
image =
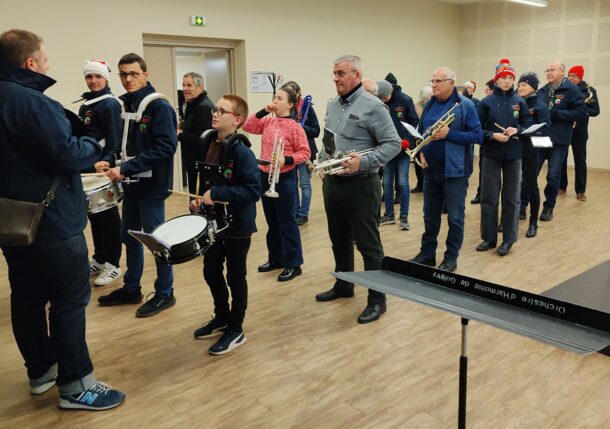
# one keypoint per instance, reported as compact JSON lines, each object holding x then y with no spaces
{"x":261,"y":81}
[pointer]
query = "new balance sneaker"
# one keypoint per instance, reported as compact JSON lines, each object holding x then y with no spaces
{"x":404,"y":224}
{"x":155,"y":305}
{"x":226,"y":343}
{"x":387,"y":220}
{"x":211,"y":329}
{"x":42,"y":384}
{"x":97,"y":398}
{"x":95,"y":268}
{"x":109,"y":274}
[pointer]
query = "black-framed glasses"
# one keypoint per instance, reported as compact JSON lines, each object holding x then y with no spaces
{"x":438,"y":81}
{"x":133,"y":75}
{"x":220,"y":112}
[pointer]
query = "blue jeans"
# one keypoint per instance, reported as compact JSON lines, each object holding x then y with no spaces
{"x":555,"y":155}
{"x":283,"y":236}
{"x":453,"y":190}
{"x":141,"y":214}
{"x":55,"y":272}
{"x":400,"y":167}
{"x":302,"y":207}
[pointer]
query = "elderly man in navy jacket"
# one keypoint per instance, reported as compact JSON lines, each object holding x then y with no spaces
{"x":150,"y":150}
{"x":447,"y":165}
{"x":567,"y":105}
{"x":37,"y":149}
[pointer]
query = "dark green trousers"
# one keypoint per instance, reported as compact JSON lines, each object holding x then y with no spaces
{"x":352,"y":207}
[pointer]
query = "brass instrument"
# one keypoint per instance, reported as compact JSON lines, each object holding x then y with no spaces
{"x":274,"y":169}
{"x":589,"y":98}
{"x":446,"y":119}
{"x":332,"y":166}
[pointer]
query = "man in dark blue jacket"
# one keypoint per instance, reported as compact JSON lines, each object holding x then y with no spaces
{"x":567,"y":105}
{"x":580,"y":135}
{"x":148,"y":154}
{"x":37,"y":147}
{"x":101,"y":116}
{"x":447,"y":163}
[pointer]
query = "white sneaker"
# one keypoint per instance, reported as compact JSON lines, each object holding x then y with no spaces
{"x":95,"y":267}
{"x":109,"y":274}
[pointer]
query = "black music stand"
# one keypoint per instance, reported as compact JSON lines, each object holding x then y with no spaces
{"x":568,"y":326}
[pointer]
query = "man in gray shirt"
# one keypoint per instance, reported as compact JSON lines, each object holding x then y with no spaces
{"x":355,"y":121}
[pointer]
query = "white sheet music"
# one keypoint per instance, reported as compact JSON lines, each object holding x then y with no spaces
{"x":541,"y":141}
{"x":412,"y":130}
{"x":533,"y":128}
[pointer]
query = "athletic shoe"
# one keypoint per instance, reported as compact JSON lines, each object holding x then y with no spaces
{"x":120,"y":297}
{"x":211,"y":329}
{"x":95,"y":267}
{"x":226,"y":343}
{"x":387,"y":220}
{"x":97,"y":398}
{"x":404,"y":224}
{"x":109,"y":274}
{"x":42,"y":384}
{"x":155,"y":305}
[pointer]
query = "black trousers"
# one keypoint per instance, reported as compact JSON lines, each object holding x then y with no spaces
{"x":351,"y":205}
{"x":235,"y":253}
{"x":106,"y":232}
{"x":529,"y":187}
{"x":579,"y":151}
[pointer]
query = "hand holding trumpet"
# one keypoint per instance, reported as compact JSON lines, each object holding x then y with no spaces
{"x":351,"y":164}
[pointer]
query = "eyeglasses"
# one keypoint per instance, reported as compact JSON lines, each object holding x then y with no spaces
{"x":438,"y":81}
{"x":133,"y":75}
{"x":220,"y":112}
{"x":341,"y":74}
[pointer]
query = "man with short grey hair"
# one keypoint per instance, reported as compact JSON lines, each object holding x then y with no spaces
{"x":355,"y":121}
{"x":197,"y":119}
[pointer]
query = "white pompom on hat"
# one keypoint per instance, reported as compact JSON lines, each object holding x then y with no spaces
{"x":97,"y":67}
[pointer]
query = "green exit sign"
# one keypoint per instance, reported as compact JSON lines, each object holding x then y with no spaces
{"x":199,"y":21}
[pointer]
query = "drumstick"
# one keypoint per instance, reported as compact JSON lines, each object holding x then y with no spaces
{"x":194,"y":196}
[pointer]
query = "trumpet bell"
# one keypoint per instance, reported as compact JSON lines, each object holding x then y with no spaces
{"x":271,"y":194}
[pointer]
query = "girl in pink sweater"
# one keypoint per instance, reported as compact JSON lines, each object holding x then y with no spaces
{"x":283,"y":236}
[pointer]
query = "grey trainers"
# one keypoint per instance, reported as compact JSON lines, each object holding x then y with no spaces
{"x":404,"y":224}
{"x":387,"y":220}
{"x":40,"y":385}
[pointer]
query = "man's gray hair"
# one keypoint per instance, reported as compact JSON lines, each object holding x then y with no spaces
{"x":197,"y":78}
{"x":425,"y":91}
{"x":353,"y":60}
{"x":449,"y":73}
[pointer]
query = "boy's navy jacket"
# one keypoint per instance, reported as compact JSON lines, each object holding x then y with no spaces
{"x":102,"y":120}
{"x":539,"y":113}
{"x":464,"y":132}
{"x":582,"y":126}
{"x":567,"y":106}
{"x":507,"y":109}
{"x":240,"y":183}
{"x":37,"y":144}
{"x":402,"y":109}
{"x":152,"y":142}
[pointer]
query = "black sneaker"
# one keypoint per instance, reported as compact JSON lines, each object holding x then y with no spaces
{"x":120,"y":297}
{"x":302,"y":220}
{"x":417,"y":190}
{"x":156,"y":305}
{"x":547,"y":215}
{"x":226,"y":343}
{"x":211,"y":329}
{"x":387,"y":219}
{"x":97,"y":398}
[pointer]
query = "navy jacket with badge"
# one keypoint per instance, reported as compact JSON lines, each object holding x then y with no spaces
{"x":102,"y":120}
{"x":507,"y":109}
{"x":592,"y":106}
{"x":36,"y":143}
{"x":567,"y":106}
{"x":152,"y":142}
{"x":239,"y":185}
{"x":539,"y":113}
{"x":402,"y":109}
{"x":464,"y":132}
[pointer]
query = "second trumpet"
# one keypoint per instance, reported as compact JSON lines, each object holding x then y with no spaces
{"x":274,"y":166}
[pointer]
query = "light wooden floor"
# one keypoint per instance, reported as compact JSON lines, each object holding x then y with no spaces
{"x":310,"y":365}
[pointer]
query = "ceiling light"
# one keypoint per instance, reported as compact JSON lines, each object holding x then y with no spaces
{"x":537,"y":3}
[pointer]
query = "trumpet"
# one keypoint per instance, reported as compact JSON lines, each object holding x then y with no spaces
{"x":446,"y":119}
{"x":332,"y":166}
{"x":274,"y":166}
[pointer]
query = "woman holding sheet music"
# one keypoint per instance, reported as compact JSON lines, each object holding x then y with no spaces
{"x":503,"y":116}
{"x":539,"y":111}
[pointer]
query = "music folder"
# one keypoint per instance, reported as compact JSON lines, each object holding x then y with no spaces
{"x":154,"y":243}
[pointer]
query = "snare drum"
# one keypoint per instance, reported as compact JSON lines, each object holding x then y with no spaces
{"x":187,"y":237}
{"x":101,"y":192}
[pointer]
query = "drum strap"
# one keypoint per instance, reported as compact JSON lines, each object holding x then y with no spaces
{"x":102,"y":97}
